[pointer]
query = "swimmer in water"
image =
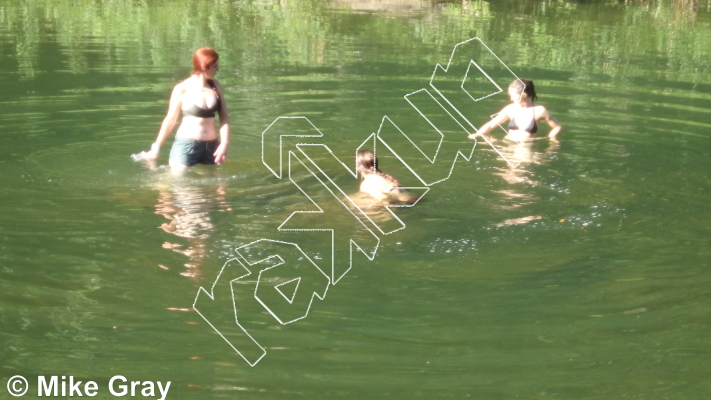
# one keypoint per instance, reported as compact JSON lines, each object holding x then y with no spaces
{"x":523,"y":113}
{"x":375,"y":183}
{"x":199,"y":98}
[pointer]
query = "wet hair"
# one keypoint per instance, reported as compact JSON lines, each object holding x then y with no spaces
{"x":366,"y":162}
{"x":204,"y":58}
{"x":524,"y":86}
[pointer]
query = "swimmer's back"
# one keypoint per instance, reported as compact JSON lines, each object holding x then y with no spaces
{"x":377,"y":185}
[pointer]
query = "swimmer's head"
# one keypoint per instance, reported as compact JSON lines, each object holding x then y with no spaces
{"x":205,"y":61}
{"x":366,"y":163}
{"x":522,"y":88}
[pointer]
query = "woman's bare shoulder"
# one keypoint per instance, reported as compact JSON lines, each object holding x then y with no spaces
{"x":181,"y":87}
{"x":372,"y":178}
{"x":375,"y":180}
{"x":540,"y":110}
{"x":508,"y":109}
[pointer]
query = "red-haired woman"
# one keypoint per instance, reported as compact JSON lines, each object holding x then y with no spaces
{"x":198,"y":98}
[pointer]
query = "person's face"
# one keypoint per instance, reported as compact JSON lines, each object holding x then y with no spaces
{"x":515,"y":95}
{"x":212,"y":70}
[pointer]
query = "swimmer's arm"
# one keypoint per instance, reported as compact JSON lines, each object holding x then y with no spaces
{"x":392,"y":190}
{"x":553,"y":123}
{"x":169,"y":121}
{"x":500,"y":118}
{"x":402,"y":196}
{"x":395,"y":193}
{"x":221,"y":152}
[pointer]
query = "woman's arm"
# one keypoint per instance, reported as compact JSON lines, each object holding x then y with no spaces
{"x":221,"y":152}
{"x":168,"y":122}
{"x":500,"y":118}
{"x":553,"y":123}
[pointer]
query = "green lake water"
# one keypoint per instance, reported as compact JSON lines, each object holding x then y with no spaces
{"x":584,"y":273}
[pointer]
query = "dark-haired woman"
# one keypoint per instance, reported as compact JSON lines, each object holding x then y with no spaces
{"x":523,"y":114}
{"x":375,"y":183}
{"x":199,"y":98}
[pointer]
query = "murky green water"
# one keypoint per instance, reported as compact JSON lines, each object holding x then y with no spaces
{"x":582,"y":274}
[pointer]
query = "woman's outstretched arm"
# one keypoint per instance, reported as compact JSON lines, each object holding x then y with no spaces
{"x":500,"y":118}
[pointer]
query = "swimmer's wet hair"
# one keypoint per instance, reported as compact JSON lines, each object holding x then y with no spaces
{"x":524,"y":86}
{"x":366,"y":162}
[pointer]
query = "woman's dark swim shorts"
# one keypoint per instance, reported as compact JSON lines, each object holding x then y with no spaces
{"x":190,"y":151}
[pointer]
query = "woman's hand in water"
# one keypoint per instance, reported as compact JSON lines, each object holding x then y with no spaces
{"x":221,"y":153}
{"x":148,"y":158}
{"x":488,"y":138}
{"x":150,"y":155}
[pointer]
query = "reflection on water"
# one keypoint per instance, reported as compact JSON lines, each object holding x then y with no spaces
{"x":517,"y":171}
{"x":268,"y":33}
{"x":187,"y":207}
{"x":394,"y":6}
